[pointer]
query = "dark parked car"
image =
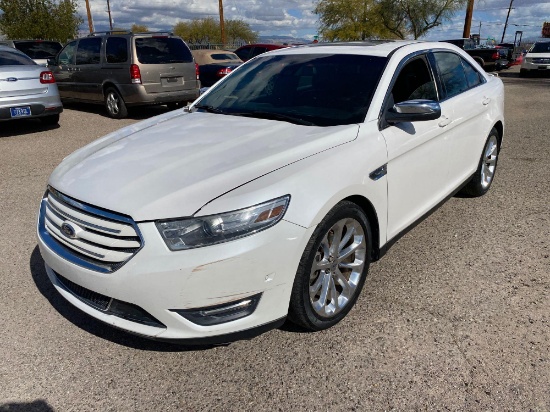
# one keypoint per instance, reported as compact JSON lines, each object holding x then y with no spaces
{"x":38,"y":50}
{"x":490,"y":58}
{"x":215,"y":64}
{"x":252,"y":50}
{"x":121,"y":69}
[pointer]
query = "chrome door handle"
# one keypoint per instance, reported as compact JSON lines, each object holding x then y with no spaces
{"x":486,"y":101}
{"x":444,"y":121}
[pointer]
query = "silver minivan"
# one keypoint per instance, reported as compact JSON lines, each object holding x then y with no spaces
{"x":123,"y":69}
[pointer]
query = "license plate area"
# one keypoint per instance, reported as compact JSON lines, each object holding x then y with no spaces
{"x":20,"y":111}
{"x":543,"y":67}
{"x":171,"y":81}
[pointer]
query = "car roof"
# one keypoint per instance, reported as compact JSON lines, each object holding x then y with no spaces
{"x":382,"y":48}
{"x":273,"y":45}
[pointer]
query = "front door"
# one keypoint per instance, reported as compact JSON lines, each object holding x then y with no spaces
{"x":64,"y":70}
{"x":417,"y":170}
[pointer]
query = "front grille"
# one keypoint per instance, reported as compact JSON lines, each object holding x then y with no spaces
{"x":111,"y":306}
{"x":88,"y":236}
{"x":91,"y":298}
{"x":541,"y":60}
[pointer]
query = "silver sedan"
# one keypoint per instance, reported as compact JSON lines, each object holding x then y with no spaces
{"x":27,"y":90}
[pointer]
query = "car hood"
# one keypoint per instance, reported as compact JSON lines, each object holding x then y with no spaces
{"x":172,"y":165}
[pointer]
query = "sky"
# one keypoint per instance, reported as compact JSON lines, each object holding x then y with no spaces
{"x":295,"y":18}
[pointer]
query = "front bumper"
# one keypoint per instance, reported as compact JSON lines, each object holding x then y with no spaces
{"x":160,"y":281}
{"x":529,"y":65}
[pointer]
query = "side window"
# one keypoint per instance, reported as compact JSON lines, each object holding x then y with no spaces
{"x":472,"y":75}
{"x":88,"y":51}
{"x":243,"y":54}
{"x":116,"y":50}
{"x":451,"y":72}
{"x":66,"y":56}
{"x":258,"y":50}
{"x":414,"y":82}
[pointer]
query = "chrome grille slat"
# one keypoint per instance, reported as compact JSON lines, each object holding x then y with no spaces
{"x":85,"y":219}
{"x":104,"y":240}
{"x":110,"y":242}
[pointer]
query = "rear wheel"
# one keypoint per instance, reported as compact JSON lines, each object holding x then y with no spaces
{"x":114,"y":103}
{"x":51,"y":120}
{"x":332,"y":270}
{"x":483,"y":177}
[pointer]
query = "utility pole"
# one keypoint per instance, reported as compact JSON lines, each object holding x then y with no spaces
{"x":506,"y":24}
{"x":90,"y":21}
{"x":222,"y":23}
{"x":468,"y":19}
{"x":110,"y":19}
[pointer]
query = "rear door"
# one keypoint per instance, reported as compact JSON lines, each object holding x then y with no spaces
{"x":468,"y":96}
{"x":166,"y":64}
{"x":87,"y":74}
{"x":65,"y":69}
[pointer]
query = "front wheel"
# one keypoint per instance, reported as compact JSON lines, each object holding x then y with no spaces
{"x":114,"y":103}
{"x":332,"y":269}
{"x":485,"y":173}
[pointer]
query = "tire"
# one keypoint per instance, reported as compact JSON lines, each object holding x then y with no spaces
{"x":320,"y":276}
{"x":523,"y":73}
{"x":480,"y":61}
{"x":114,"y":103}
{"x":483,"y":177}
{"x":51,"y":120}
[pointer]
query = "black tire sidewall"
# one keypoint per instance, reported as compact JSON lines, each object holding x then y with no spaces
{"x":312,"y":319}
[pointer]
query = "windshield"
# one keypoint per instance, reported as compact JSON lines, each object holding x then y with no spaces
{"x":541,"y":48}
{"x":160,"y":50}
{"x":314,"y":89}
{"x":39,"y":49}
{"x":14,"y":58}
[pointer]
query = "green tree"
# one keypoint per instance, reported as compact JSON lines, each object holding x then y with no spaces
{"x":208,"y":31}
{"x":414,"y":18}
{"x":365,"y":19}
{"x":139,"y":28}
{"x":39,"y":19}
{"x":237,"y":31}
{"x":346,"y":20}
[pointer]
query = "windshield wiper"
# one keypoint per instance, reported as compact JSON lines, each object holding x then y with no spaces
{"x":275,"y":116}
{"x":209,"y":109}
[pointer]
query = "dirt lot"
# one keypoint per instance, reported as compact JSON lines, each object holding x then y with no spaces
{"x":455,"y":317}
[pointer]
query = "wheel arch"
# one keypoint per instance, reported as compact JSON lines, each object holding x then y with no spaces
{"x":499,"y":126}
{"x":372,"y":217}
{"x":108,"y":84}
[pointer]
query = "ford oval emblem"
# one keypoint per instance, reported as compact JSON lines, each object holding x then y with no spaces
{"x":68,"y":230}
{"x":11,"y":79}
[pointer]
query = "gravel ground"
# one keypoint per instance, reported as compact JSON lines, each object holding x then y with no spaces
{"x":455,"y":317}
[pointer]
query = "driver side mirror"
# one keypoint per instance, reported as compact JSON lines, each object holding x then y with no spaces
{"x":413,"y":111}
{"x":52,"y":62}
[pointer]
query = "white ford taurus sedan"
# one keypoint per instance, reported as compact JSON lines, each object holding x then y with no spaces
{"x":269,"y":196}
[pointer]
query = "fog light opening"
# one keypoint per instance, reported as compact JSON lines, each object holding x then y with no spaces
{"x":215,"y":315}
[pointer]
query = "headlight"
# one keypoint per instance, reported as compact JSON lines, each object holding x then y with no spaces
{"x":195,"y":232}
